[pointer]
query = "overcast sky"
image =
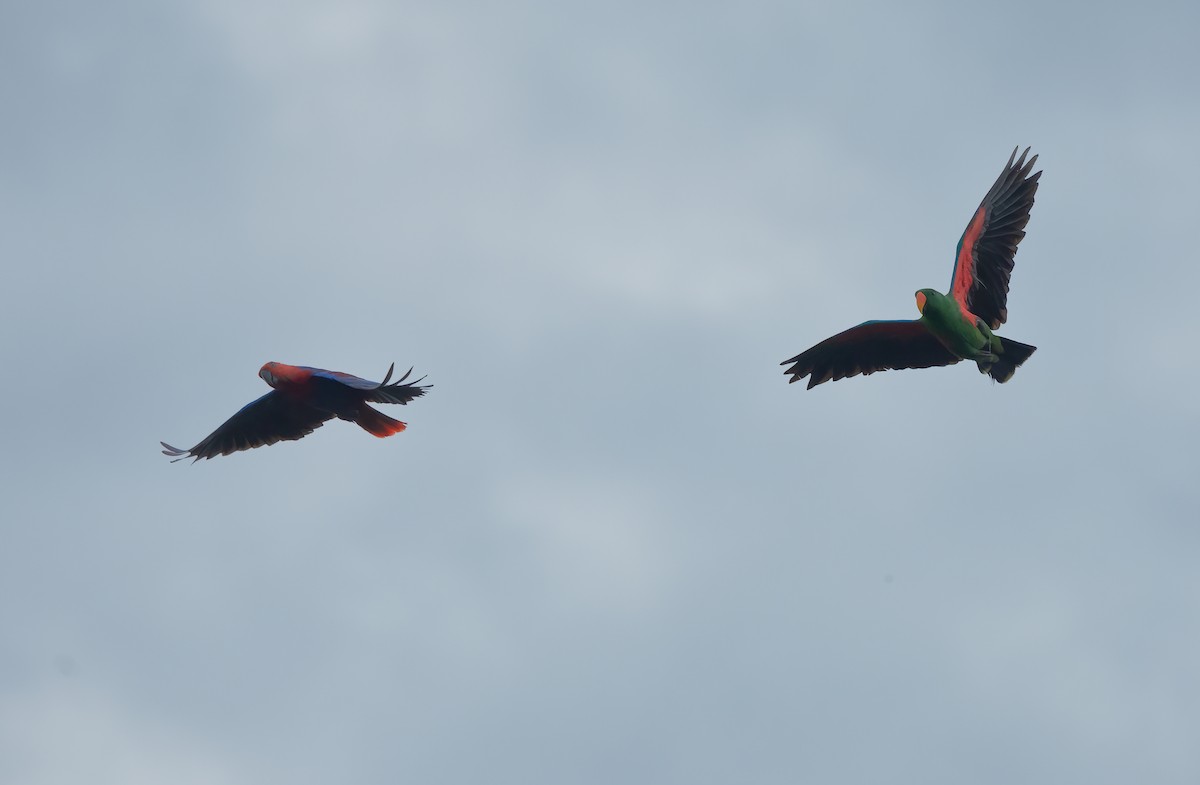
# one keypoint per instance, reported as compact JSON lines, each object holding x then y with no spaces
{"x":614,"y":545}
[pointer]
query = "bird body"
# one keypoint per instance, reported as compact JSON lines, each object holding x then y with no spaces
{"x":302,"y":400}
{"x":954,"y":326}
{"x":967,"y":337}
{"x":957,"y":331}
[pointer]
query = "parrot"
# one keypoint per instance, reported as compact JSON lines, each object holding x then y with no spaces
{"x":954,"y":326}
{"x":304,"y":399}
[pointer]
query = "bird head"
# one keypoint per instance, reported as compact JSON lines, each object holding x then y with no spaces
{"x":269,"y":374}
{"x":923,"y":297}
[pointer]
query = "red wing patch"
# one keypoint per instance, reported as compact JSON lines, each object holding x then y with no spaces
{"x":964,"y":266}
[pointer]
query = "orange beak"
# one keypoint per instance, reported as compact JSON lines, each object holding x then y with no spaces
{"x":921,"y":302}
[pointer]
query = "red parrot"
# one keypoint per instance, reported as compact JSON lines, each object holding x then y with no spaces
{"x":303,"y":400}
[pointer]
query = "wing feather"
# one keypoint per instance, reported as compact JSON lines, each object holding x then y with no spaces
{"x":870,"y":347}
{"x":267,"y":420}
{"x":983,"y":263}
{"x":378,"y":392}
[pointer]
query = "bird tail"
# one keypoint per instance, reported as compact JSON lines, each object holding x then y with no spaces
{"x":377,"y":423}
{"x":1013,"y":355}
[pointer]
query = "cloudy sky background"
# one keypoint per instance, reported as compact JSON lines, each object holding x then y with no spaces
{"x":614,"y":544}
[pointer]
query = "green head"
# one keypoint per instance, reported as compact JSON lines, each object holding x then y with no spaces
{"x":924,"y":296}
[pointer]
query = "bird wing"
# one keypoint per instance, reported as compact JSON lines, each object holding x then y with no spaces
{"x":983,"y":262}
{"x":272,"y":418}
{"x":376,"y":392}
{"x":870,"y":347}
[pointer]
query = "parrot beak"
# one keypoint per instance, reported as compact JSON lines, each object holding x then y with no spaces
{"x":921,"y":302}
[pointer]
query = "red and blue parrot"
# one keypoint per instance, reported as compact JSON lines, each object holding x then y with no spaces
{"x":953,"y":326}
{"x":303,"y":400}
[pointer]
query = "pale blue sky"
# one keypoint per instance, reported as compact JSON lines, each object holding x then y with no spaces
{"x":614,"y":544}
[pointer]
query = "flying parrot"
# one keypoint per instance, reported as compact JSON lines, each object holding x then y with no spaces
{"x":954,"y":326}
{"x":303,"y":400}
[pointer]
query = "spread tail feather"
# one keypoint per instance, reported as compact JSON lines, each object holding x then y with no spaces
{"x":1015,"y":353}
{"x":377,"y":423}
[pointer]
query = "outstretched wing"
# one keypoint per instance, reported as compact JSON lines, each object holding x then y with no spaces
{"x":377,"y":392}
{"x":870,"y":347}
{"x":983,"y":262}
{"x":271,"y":418}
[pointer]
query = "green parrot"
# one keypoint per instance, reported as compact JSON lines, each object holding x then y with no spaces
{"x":954,"y":326}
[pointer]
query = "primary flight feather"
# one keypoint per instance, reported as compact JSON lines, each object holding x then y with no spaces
{"x":304,"y":399}
{"x":953,"y":326}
